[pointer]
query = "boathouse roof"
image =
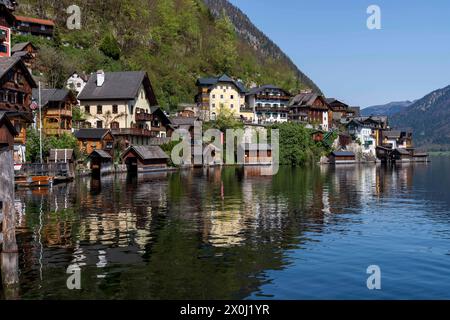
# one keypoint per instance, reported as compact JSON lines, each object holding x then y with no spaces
{"x":147,"y":152}
{"x":100,"y":154}
{"x":343,"y":154}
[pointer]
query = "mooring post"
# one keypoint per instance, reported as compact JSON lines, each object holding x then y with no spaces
{"x":9,"y":256}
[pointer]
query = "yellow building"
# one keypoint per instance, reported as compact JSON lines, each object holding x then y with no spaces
{"x":216,"y":93}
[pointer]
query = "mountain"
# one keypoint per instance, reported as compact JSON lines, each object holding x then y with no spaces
{"x":175,"y":41}
{"x":388,"y":109}
{"x":257,"y":39}
{"x":429,"y":118}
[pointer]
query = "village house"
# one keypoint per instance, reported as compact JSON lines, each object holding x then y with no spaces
{"x":140,"y":159}
{"x":125,"y":103}
{"x":7,"y":20}
{"x":268,"y":104}
{"x":56,"y":110}
{"x":311,"y":108}
{"x":397,"y":139}
{"x":340,"y":110}
{"x":219,"y":92}
{"x":363,"y":134}
{"x":15,"y":99}
{"x":34,"y":26}
{"x":27,"y":52}
{"x":77,"y":81}
{"x":95,"y":139}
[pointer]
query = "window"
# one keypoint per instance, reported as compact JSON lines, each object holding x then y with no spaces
{"x":232,"y":97}
{"x":109,"y":145}
{"x":99,"y":109}
{"x":20,"y":98}
{"x":221,"y":96}
{"x":115,"y":125}
{"x":87,"y":109}
{"x":43,"y":28}
{"x":213,"y":96}
{"x":131,"y":109}
{"x":115,"y":109}
{"x":213,"y":105}
{"x":78,"y":85}
{"x":232,"y":106}
{"x":99,"y":124}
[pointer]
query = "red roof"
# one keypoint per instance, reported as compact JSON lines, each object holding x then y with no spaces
{"x":35,"y":20}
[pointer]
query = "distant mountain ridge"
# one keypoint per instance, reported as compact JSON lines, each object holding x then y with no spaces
{"x":257,"y":39}
{"x":388,"y":109}
{"x":429,"y":118}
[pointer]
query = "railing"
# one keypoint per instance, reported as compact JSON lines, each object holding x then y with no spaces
{"x":143,"y":116}
{"x":274,"y":97}
{"x":159,"y":141}
{"x":44,"y":169}
{"x":57,"y":112}
{"x":56,"y":131}
{"x":273,"y":109}
{"x":246,"y":110}
{"x":132,"y":132}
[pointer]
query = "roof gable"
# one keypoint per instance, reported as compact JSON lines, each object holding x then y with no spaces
{"x":8,"y":63}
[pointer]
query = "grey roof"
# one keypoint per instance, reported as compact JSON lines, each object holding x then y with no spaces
{"x":91,"y":134}
{"x":4,"y":117}
{"x":180,"y":121}
{"x":50,"y":95}
{"x":61,"y":154}
{"x":343,"y":154}
{"x":20,"y":46}
{"x":265,"y":87}
{"x":9,"y":4}
{"x":211,"y":81}
{"x":101,"y":153}
{"x":304,"y":100}
{"x":402,"y":151}
{"x":148,"y":152}
{"x":20,"y":54}
{"x":6,"y":63}
{"x":392,"y":134}
{"x":118,"y":85}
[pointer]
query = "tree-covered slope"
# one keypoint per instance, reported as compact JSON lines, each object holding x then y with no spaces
{"x":175,"y":41}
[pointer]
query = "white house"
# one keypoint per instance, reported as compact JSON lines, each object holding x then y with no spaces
{"x":364,"y":135}
{"x":76,"y":82}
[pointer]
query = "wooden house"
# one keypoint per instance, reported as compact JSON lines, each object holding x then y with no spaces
{"x":25,"y":51}
{"x":311,"y":108}
{"x":16,"y":84}
{"x":401,"y":155}
{"x":34,"y":26}
{"x":56,"y":110}
{"x":317,"y":135}
{"x":140,"y":159}
{"x":95,"y":139}
{"x":101,"y":162}
{"x":342,"y":157}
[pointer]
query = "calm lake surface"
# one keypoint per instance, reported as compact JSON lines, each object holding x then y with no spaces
{"x":306,"y":233}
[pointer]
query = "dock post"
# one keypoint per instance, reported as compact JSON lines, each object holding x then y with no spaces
{"x":9,"y":253}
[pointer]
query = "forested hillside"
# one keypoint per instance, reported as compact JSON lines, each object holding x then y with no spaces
{"x":175,"y":41}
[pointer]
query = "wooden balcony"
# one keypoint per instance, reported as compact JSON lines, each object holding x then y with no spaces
{"x":269,"y":97}
{"x":131,"y":132}
{"x":272,"y":109}
{"x":58,"y":112}
{"x":56,"y":131}
{"x":143,"y":116}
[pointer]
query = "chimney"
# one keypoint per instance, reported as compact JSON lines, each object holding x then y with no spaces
{"x":100,"y":78}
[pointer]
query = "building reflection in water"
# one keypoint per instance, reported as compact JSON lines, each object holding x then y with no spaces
{"x":187,"y":227}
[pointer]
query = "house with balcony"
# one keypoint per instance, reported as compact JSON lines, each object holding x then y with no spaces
{"x":27,"y":52}
{"x":268,"y":104}
{"x":15,"y":100}
{"x":34,"y":26}
{"x":215,"y":93}
{"x":56,"y":110}
{"x":125,"y":103}
{"x":364,"y":135}
{"x":311,"y":108}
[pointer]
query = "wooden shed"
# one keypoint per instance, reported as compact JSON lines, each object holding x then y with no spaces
{"x":101,"y":162}
{"x":342,"y":157}
{"x":145,"y":159}
{"x":401,"y":155}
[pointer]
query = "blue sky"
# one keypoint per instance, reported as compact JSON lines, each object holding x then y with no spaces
{"x":329,"y":41}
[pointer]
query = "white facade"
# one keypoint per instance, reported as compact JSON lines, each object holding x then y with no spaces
{"x":325,"y":121}
{"x":75,"y":82}
{"x":367,"y":139}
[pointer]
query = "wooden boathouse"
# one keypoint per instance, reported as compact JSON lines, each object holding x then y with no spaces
{"x":140,"y":159}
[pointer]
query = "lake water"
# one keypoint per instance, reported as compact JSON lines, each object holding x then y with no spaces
{"x":306,"y":233}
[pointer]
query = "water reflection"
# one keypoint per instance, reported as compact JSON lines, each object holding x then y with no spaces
{"x":205,"y":234}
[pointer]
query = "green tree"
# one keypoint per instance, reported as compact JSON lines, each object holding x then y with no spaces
{"x":110,"y":47}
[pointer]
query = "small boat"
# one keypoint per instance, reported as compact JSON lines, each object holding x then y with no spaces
{"x":34,"y":181}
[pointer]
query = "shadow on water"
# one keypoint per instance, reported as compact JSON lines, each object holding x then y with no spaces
{"x":194,"y":234}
